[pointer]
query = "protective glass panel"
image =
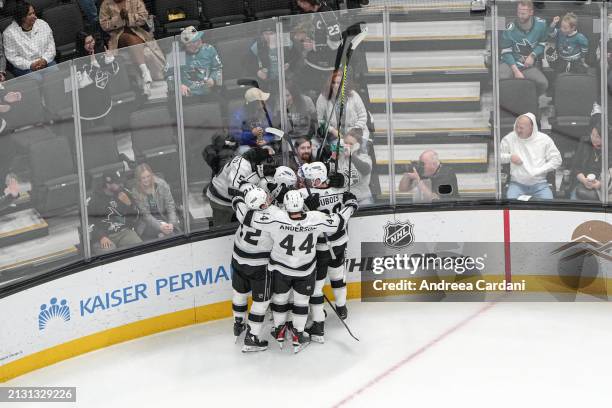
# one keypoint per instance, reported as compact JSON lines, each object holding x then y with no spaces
{"x":549,"y":67}
{"x":128,"y":120}
{"x":39,"y":205}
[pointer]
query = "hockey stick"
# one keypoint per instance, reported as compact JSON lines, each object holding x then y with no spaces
{"x":358,"y":34}
{"x":354,"y":44}
{"x":338,"y":314}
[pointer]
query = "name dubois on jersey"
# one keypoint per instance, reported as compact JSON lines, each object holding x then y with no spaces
{"x":327,"y":200}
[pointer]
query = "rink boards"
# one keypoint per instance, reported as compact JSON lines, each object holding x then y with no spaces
{"x":191,"y":283}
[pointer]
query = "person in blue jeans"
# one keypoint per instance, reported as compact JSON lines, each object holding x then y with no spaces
{"x":531,"y":154}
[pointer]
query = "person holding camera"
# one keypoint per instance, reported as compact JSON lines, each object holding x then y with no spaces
{"x":429,"y":180}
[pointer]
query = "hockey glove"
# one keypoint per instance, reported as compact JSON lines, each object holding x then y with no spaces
{"x":336,"y":180}
{"x":349,"y":200}
{"x":269,"y":170}
{"x":277,"y":191}
{"x":312,"y":201}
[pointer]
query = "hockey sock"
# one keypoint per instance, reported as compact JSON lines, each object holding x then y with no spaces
{"x":257,"y":315}
{"x":279,"y":308}
{"x":300,"y":311}
{"x":239,"y":304}
{"x":338,"y":284}
{"x":316,"y":302}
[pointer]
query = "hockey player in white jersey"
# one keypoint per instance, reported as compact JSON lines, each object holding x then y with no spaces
{"x":330,"y":202}
{"x":292,"y":260}
{"x":248,"y":168}
{"x":250,"y":274}
{"x":284,"y":180}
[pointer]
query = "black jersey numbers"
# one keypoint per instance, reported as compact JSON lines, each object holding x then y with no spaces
{"x":250,"y":236}
{"x":335,"y":209}
{"x":306,"y":246}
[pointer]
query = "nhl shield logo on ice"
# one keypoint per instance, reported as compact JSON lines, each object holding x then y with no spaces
{"x":398,"y":234}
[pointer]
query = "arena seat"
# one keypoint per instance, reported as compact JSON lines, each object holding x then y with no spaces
{"x":164,"y":10}
{"x":218,"y":13}
{"x":65,"y":20}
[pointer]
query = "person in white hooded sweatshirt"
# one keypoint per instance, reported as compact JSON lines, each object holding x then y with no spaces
{"x":531,"y":155}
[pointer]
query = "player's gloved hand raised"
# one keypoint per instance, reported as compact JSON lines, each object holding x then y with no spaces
{"x":336,"y":180}
{"x":312,"y":201}
{"x":348,"y":196}
{"x":269,"y":170}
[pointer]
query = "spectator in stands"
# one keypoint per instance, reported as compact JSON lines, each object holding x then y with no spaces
{"x":301,"y":111}
{"x":156,"y":205}
{"x":429,"y":180}
{"x":522,"y":46}
{"x":202,"y":69}
{"x":571,"y":47}
{"x":360,"y":165}
{"x":265,"y":50}
{"x":11,"y":191}
{"x":248,"y":123}
{"x":304,"y":149}
{"x":531,"y":154}
{"x":586,"y":170}
{"x":355,"y":114}
{"x":28,"y":41}
{"x":126,"y":22}
{"x":94,"y":75}
{"x":319,"y":41}
{"x":115,"y":215}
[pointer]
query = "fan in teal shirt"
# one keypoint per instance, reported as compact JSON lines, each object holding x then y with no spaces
{"x":517,"y":44}
{"x":201,"y":67}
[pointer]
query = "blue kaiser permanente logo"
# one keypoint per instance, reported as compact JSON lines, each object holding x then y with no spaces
{"x":398,"y":234}
{"x":53,"y":311}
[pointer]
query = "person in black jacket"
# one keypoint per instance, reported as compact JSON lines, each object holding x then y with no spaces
{"x":114,"y":215}
{"x":586,"y":170}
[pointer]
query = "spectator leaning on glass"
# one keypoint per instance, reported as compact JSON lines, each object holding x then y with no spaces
{"x":156,"y":205}
{"x":28,"y":41}
{"x":587,"y":166}
{"x":115,"y":215}
{"x":531,"y":154}
{"x":201,"y":67}
{"x":126,"y":22}
{"x":429,"y":180}
{"x":522,"y":45}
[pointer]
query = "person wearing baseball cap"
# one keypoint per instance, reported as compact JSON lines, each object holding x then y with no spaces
{"x":114,"y":214}
{"x":248,"y":123}
{"x":202,"y":69}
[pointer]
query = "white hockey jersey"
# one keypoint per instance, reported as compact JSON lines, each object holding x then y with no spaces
{"x":234,"y":174}
{"x":330,"y":200}
{"x":251,"y":247}
{"x":293,"y":252}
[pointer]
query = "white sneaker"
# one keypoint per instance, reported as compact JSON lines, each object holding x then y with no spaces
{"x":146,"y":76}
